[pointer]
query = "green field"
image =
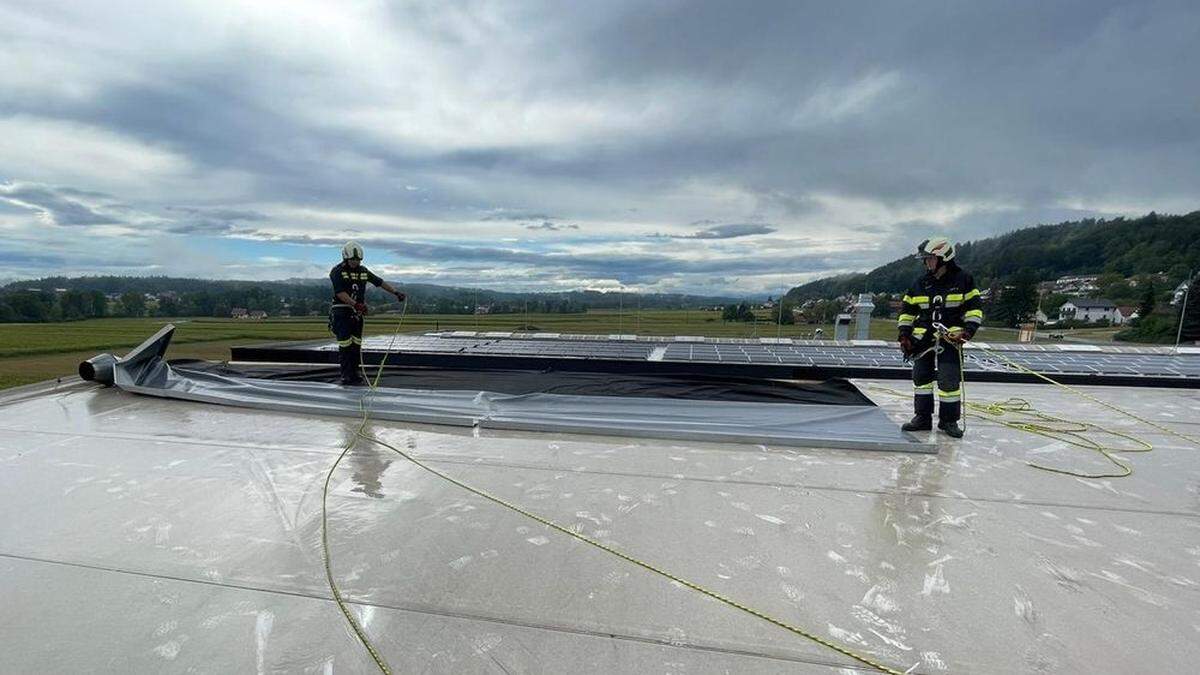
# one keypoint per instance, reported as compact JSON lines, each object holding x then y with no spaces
{"x":42,"y":351}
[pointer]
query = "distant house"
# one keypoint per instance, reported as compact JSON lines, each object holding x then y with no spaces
{"x":258,"y":314}
{"x":483,"y":309}
{"x":1180,"y":290}
{"x":1126,"y":313}
{"x":1088,"y":310}
{"x":239,"y":313}
{"x":1075,"y":285}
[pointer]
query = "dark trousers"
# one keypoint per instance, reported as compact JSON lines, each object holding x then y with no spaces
{"x":946,"y":368}
{"x":347,"y":328}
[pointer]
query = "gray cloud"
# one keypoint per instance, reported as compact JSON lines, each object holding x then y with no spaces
{"x":55,"y":204}
{"x":220,"y":213}
{"x":938,"y":131}
{"x":549,"y":226}
{"x":20,"y":259}
{"x":15,"y":257}
{"x":504,"y":215}
{"x":72,"y":207}
{"x":822,"y":119}
{"x":626,"y":268}
{"x":211,"y":221}
{"x":729,"y":231}
{"x":196,"y":226}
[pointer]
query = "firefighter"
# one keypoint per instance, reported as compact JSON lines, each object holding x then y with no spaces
{"x":942,"y":310}
{"x":350,"y":280}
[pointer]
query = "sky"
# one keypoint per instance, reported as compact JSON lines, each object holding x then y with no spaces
{"x":700,"y":147}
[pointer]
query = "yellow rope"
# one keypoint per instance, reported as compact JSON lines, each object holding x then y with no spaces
{"x":640,"y":563}
{"x":382,"y":664}
{"x":366,"y":416}
{"x":1031,"y":420}
{"x":1091,"y":398}
{"x":337,"y":595}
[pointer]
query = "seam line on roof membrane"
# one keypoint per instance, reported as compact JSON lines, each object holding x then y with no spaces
{"x":435,"y":611}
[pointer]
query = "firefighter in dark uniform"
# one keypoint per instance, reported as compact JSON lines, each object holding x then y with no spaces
{"x":942,"y":310}
{"x":350,"y":280}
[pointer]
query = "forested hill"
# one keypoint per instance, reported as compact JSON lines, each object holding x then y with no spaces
{"x":1128,"y":247}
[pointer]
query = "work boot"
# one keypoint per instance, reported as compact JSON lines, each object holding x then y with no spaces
{"x":347,"y":365}
{"x":918,"y":423}
{"x":951,"y":428}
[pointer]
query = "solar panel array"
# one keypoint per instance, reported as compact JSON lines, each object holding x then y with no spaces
{"x":1072,"y":359}
{"x":584,"y":349}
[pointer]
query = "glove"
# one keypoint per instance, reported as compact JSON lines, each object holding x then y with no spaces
{"x":400,"y":296}
{"x":361,"y":308}
{"x":906,"y":344}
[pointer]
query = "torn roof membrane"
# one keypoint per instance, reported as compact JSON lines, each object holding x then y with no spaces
{"x":849,"y":423}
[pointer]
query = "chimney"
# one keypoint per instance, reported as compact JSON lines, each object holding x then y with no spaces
{"x":862,"y":316}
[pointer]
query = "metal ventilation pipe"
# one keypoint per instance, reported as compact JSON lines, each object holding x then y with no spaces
{"x":99,"y":368}
{"x":841,"y":327}
{"x":862,"y":316}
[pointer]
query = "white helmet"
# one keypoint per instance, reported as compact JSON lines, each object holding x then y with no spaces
{"x":940,"y":247}
{"x":352,"y":249}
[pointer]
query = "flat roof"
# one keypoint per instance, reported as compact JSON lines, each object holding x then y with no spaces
{"x":148,"y":534}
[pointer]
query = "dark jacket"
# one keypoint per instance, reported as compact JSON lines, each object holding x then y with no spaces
{"x":352,"y":281}
{"x":951,"y":300}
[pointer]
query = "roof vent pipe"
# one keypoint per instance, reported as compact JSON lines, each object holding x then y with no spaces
{"x":99,"y":368}
{"x":862,"y":316}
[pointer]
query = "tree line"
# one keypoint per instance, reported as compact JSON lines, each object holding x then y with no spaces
{"x":34,"y":306}
{"x":95,"y":297}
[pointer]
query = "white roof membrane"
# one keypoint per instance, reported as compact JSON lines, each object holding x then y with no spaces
{"x":142,"y":533}
{"x":146,"y":534}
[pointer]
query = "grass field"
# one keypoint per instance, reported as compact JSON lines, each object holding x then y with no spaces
{"x":42,"y":351}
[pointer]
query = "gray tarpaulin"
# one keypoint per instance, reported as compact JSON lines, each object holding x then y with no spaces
{"x":144,"y":371}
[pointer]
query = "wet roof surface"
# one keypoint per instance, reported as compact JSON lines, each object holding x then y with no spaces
{"x":141,"y":534}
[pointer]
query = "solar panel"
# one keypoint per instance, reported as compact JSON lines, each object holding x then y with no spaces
{"x":1079,"y":359}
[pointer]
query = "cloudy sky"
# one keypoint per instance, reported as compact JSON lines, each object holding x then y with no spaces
{"x":673,"y":146}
